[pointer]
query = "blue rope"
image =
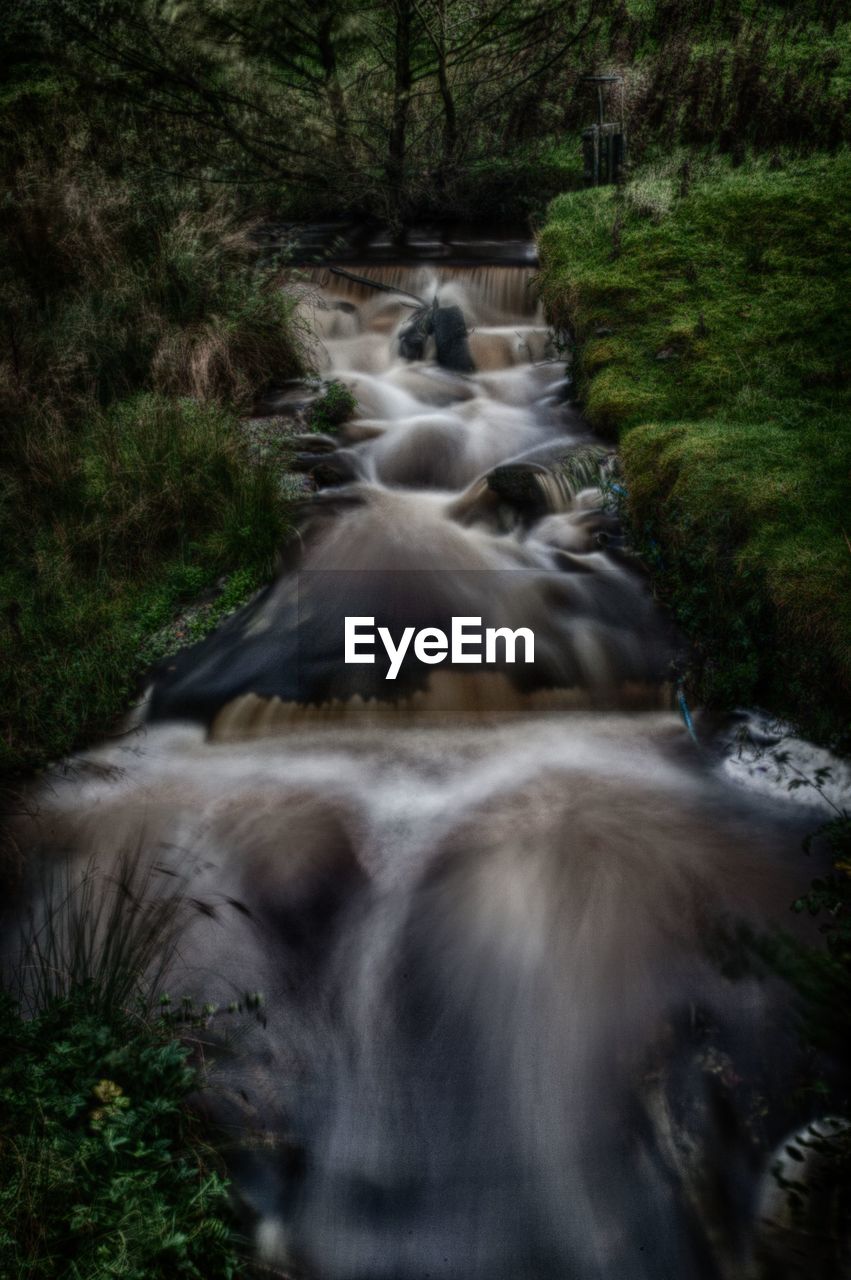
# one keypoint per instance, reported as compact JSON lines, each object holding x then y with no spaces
{"x":686,"y":714}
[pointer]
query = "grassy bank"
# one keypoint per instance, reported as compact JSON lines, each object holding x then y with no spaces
{"x":136,"y":330}
{"x":709,"y":308}
{"x":104,"y":1170}
{"x":139,"y":327}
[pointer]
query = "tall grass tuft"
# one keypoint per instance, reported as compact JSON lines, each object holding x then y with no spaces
{"x":105,"y":941}
{"x":110,"y":287}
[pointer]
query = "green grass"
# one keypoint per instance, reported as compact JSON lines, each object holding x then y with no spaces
{"x":713,"y":342}
{"x":156,"y":502}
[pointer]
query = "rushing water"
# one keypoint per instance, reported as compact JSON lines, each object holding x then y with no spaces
{"x":481,"y":902}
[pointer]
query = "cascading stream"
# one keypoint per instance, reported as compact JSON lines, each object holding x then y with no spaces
{"x":478,"y":899}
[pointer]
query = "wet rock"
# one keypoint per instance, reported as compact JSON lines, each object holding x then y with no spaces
{"x":413,"y":338}
{"x":449,"y":329}
{"x":539,"y":485}
{"x":315,"y":442}
{"x":289,"y":399}
{"x":327,"y":469}
{"x":543,"y":481}
{"x":519,"y":484}
{"x":450,"y":336}
{"x":805,"y":1203}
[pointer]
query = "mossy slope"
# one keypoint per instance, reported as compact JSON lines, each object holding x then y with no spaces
{"x":713,"y":341}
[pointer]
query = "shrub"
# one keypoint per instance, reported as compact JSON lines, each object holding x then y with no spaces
{"x":157,"y":471}
{"x":110,"y":288}
{"x":101,"y":1172}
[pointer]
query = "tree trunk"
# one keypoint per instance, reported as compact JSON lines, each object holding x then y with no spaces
{"x":450,"y":116}
{"x":334,"y":92}
{"x":402,"y":81}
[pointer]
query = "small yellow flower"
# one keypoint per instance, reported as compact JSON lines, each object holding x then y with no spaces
{"x":107,"y":1092}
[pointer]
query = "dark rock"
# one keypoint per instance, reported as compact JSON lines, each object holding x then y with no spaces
{"x":542,"y":481}
{"x":540,"y":484}
{"x":305,"y":461}
{"x":450,"y":335}
{"x":412,"y":338}
{"x":327,"y":468}
{"x":315,"y":442}
{"x":518,"y":484}
{"x":333,"y":469}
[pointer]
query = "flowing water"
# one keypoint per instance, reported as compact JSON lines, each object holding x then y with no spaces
{"x":482,"y":902}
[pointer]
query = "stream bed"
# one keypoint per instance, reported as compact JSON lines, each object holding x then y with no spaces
{"x":486,"y":903}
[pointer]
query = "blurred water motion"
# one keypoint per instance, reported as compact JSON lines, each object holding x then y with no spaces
{"x":481,"y":906}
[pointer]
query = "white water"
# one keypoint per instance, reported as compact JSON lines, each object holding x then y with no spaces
{"x":476,"y":912}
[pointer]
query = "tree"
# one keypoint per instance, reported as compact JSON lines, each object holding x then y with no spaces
{"x":376,"y":101}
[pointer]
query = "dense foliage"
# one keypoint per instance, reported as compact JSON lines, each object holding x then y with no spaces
{"x":102,"y":1171}
{"x":137,"y":324}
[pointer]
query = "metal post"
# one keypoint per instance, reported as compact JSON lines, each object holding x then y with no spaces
{"x":604,"y":145}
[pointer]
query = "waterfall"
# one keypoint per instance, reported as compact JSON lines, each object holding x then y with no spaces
{"x":497,"y":291}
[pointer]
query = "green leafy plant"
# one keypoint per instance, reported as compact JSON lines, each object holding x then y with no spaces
{"x":103,"y":1172}
{"x":334,"y":407}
